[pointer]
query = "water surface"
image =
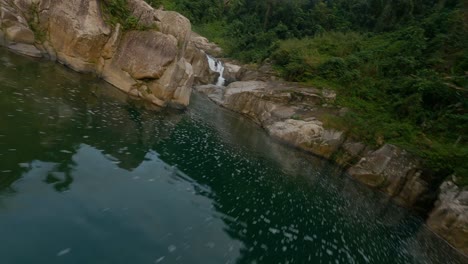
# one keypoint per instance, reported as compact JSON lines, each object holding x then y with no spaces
{"x":87,"y":176}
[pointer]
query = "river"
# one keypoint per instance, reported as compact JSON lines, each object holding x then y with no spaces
{"x":89,"y":176}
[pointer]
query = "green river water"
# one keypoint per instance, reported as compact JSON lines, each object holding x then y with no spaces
{"x":88,"y":176}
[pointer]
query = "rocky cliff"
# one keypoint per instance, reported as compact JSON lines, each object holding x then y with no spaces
{"x":147,"y":63}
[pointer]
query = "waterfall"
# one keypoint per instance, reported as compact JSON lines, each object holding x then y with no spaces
{"x":216,"y":66}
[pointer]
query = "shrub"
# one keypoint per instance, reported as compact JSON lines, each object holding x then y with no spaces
{"x":117,"y":12}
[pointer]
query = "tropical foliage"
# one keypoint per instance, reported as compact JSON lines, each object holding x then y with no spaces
{"x":400,"y":65}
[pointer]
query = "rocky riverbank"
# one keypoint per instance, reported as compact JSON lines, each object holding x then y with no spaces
{"x":297,"y":116}
{"x":300,"y":116}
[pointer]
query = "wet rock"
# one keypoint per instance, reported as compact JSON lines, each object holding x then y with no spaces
{"x":214,"y":92}
{"x":230,"y":72}
{"x":242,"y":87}
{"x":449,"y":219}
{"x":26,"y":49}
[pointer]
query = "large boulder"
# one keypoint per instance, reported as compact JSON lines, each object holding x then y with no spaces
{"x":230,"y":72}
{"x":399,"y":174}
{"x":307,"y":135}
{"x":148,"y":63}
{"x":175,"y":85}
{"x":205,"y":45}
{"x":146,"y":54}
{"x":449,"y":219}
{"x":77,"y":32}
{"x":201,"y":68}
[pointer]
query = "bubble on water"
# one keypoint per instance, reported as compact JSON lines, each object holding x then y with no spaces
{"x":210,"y":245}
{"x":63,"y":252}
{"x":171,"y":248}
{"x":273,"y":230}
{"x":159,"y":259}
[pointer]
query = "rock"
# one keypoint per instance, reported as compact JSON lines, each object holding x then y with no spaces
{"x":205,"y":45}
{"x":245,"y":74}
{"x":398,"y":174}
{"x":305,"y":97}
{"x":449,"y":219}
{"x":144,"y":12}
{"x":9,"y":18}
{"x":112,"y":44}
{"x":230,"y":72}
{"x":297,"y":132}
{"x":175,"y":24}
{"x":114,"y":75}
{"x":26,"y":49}
{"x":20,"y":34}
{"x":146,"y":54}
{"x":2,"y":39}
{"x":77,"y":36}
{"x":181,"y":96}
{"x":50,"y":50}
{"x":310,"y":136}
{"x":354,"y":148}
{"x":329,"y":95}
{"x":214,"y":92}
{"x":242,"y":87}
{"x":175,"y":84}
{"x":283,"y":112}
{"x":201,"y":69}
{"x":77,"y":32}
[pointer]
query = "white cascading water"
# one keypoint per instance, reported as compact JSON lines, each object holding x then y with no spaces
{"x":217,"y":66}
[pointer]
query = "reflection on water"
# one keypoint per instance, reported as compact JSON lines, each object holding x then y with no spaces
{"x":87,"y":176}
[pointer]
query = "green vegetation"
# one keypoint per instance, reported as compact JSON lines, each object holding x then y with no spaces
{"x":33,"y":22}
{"x":117,"y":12}
{"x":400,"y":66}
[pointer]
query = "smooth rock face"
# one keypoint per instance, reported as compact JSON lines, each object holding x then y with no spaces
{"x":449,"y":218}
{"x":147,"y":63}
{"x":146,"y":54}
{"x":399,"y":174}
{"x":205,"y":45}
{"x":77,"y":32}
{"x":20,"y":34}
{"x":176,"y":83}
{"x":201,"y":69}
{"x":26,"y":49}
{"x":230,"y":72}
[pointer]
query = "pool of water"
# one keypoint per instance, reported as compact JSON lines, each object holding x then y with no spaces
{"x":88,"y":176}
